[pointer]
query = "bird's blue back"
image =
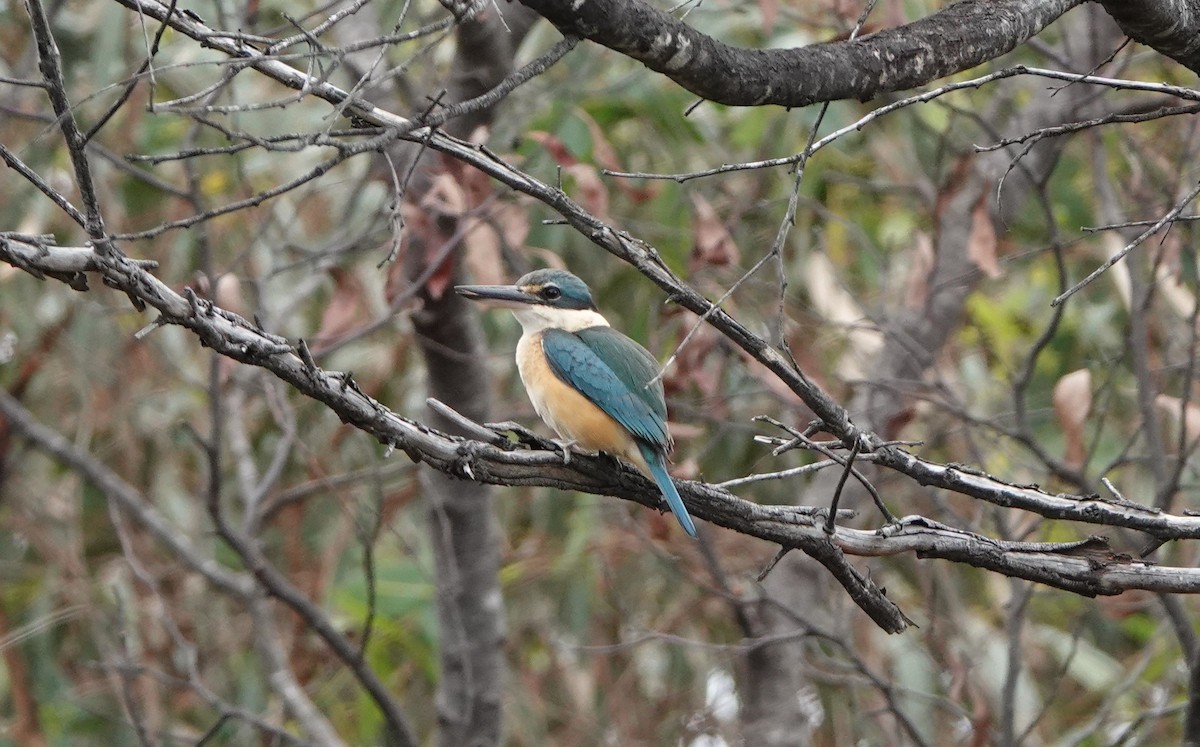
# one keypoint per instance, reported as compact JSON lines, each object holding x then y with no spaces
{"x":614,"y":373}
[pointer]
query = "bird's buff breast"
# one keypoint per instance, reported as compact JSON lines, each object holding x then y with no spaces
{"x":568,"y":412}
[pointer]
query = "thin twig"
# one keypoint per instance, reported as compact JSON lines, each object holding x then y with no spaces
{"x":1164,"y":221}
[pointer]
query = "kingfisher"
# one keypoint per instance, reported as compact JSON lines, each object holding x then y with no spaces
{"x":593,"y":385}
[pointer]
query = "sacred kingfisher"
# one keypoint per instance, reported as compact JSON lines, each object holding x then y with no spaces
{"x":593,"y":385}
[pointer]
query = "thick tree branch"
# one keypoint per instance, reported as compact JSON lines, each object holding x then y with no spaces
{"x":233,"y":336}
{"x":1170,"y":27}
{"x":958,"y":37}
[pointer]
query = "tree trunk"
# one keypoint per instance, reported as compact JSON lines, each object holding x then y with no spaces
{"x":466,"y":537}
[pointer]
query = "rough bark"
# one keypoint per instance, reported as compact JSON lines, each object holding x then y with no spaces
{"x":960,"y":36}
{"x":1170,"y":27}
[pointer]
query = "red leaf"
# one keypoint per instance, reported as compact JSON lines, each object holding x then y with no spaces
{"x":555,"y":147}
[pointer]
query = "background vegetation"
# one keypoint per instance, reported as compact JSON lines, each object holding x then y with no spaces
{"x":913,"y":283}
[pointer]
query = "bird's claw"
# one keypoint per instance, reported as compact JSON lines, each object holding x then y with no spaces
{"x":566,"y":449}
{"x":467,"y":452}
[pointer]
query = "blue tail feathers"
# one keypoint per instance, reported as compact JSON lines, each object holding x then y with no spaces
{"x":658,"y":470}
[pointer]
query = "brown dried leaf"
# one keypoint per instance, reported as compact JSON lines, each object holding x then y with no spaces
{"x":482,"y":256}
{"x":475,"y":185}
{"x":514,"y":224}
{"x":480,"y":134}
{"x":1110,"y":244}
{"x":445,"y":196}
{"x":449,"y":195}
{"x":981,"y":242}
{"x":486,"y":239}
{"x":603,"y":153}
{"x":1191,"y":422}
{"x":1072,"y":404}
{"x":607,"y":157}
{"x":832,"y":301}
{"x":699,"y":364}
{"x":712,"y":243}
{"x":916,"y":288}
{"x":228,"y":294}
{"x":1173,"y":287}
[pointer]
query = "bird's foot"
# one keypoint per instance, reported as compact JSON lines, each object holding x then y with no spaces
{"x":566,"y":448}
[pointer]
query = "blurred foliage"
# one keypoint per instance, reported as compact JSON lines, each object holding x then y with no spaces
{"x":617,"y":632}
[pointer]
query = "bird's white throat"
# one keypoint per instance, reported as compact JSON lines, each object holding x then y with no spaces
{"x":537,"y":318}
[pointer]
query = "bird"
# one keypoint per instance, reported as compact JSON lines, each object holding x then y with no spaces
{"x":597,"y":388}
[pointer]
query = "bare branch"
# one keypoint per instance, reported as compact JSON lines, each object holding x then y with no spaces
{"x":1166,"y":220}
{"x":130,"y":500}
{"x":1097,"y":573}
{"x":283,"y":679}
{"x":857,"y":126}
{"x":241,"y":340}
{"x":50,"y":62}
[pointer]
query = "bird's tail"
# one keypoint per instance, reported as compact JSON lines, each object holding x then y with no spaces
{"x":658,"y":470}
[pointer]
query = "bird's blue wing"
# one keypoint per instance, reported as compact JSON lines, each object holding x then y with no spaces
{"x":615,"y":374}
{"x":620,"y":377}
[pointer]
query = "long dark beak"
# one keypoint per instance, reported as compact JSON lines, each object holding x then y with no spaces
{"x":506,"y":296}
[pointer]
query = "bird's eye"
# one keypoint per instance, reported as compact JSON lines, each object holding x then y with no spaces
{"x":551,"y":293}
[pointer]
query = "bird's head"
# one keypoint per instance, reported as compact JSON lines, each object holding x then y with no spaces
{"x":542,"y":299}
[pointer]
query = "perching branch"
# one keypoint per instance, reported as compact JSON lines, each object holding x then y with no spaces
{"x":1086,"y":568}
